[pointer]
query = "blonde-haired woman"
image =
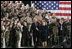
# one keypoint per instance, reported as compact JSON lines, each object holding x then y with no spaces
{"x":44,"y":31}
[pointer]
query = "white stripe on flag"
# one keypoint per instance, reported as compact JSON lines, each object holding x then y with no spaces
{"x":65,"y":17}
{"x":64,"y":1}
{"x":59,"y":11}
{"x":61,"y":5}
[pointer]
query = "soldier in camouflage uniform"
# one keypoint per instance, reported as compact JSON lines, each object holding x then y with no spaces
{"x":18,"y":35}
{"x":2,"y":35}
{"x":54,"y":25}
{"x":44,"y":13}
{"x":68,"y":29}
{"x":25,"y":29}
{"x":28,"y":19}
{"x":68,"y":24}
{"x":7,"y":33}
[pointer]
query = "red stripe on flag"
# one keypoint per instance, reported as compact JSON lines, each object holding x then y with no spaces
{"x":62,"y":14}
{"x":64,"y":8}
{"x":65,"y":3}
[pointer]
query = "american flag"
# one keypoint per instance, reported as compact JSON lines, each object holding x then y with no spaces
{"x":62,"y":9}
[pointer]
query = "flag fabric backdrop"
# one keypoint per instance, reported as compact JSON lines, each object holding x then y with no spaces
{"x":62,"y":9}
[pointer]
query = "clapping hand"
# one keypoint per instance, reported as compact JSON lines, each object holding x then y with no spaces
{"x":36,"y":28}
{"x":48,"y":36}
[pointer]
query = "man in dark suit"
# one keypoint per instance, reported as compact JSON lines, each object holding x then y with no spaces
{"x":62,"y":30}
{"x":34,"y":29}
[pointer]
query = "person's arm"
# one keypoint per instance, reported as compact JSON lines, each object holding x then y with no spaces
{"x":21,"y":28}
{"x":31,"y":28}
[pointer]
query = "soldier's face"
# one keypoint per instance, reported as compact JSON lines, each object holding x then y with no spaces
{"x":16,"y":2}
{"x":28,"y":14}
{"x":20,"y":2}
{"x":55,"y":20}
{"x":27,"y":6}
{"x":1,"y":1}
{"x":44,"y":23}
{"x":44,"y":9}
{"x":7,"y":27}
{"x":11,"y":1}
{"x":5,"y":1}
{"x":17,"y":19}
{"x":52,"y":20}
{"x":49,"y":14}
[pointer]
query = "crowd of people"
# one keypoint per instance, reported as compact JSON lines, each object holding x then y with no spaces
{"x":27,"y":26}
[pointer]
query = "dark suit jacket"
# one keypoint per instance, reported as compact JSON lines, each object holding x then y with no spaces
{"x":63,"y":28}
{"x":33,"y":28}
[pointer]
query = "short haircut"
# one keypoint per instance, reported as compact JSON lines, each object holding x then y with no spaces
{"x":53,"y":17}
{"x":62,"y":19}
{"x":49,"y":12}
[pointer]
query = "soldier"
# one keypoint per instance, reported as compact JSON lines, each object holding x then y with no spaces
{"x":19,"y":35}
{"x":7,"y":33}
{"x":21,"y":3}
{"x":6,"y":3}
{"x":28,"y":19}
{"x":23,"y":8}
{"x":44,"y":12}
{"x":17,"y":14}
{"x":33,"y":13}
{"x":27,"y":8}
{"x":11,"y":4}
{"x":8,"y":9}
{"x":54,"y":25}
{"x":16,"y":4}
{"x":3,"y":45}
{"x":12,"y":14}
{"x":48,"y":17}
{"x":2,"y":2}
{"x":3,"y":8}
{"x":24,"y":35}
{"x":12,"y":34}
{"x":23,"y":18}
{"x":68,"y":28}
